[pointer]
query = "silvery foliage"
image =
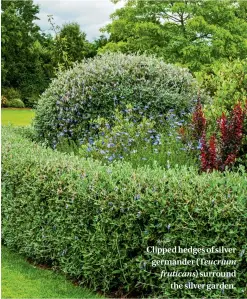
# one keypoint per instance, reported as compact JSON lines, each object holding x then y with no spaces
{"x":97,"y":86}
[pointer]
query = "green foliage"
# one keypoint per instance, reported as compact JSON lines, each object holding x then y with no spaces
{"x":78,"y":47}
{"x":99,"y":42}
{"x":24,"y":61}
{"x":227,"y":84}
{"x":95,"y":222}
{"x":97,"y":86}
{"x":191,"y":33}
{"x":69,"y":45}
{"x":141,"y":141}
{"x":15,"y":103}
{"x":119,"y":139}
{"x":31,"y":101}
{"x":66,"y":145}
{"x":11,"y":93}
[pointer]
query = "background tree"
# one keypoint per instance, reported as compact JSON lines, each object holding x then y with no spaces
{"x":99,"y":42}
{"x":77,"y":45}
{"x":22,"y":64}
{"x":69,"y":44}
{"x":192,"y":33}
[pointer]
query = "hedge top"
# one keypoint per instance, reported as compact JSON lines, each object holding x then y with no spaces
{"x":95,"y":222}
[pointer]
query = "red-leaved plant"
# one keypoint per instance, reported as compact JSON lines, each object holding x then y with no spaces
{"x":219,"y":153}
{"x":198,"y":121}
{"x":208,"y":153}
{"x":231,"y":130}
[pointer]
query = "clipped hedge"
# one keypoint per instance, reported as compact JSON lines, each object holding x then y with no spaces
{"x":95,"y":222}
{"x":97,"y":86}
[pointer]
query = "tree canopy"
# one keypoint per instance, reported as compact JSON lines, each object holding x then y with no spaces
{"x":30,"y":58}
{"x":192,"y":33}
{"x":19,"y":34}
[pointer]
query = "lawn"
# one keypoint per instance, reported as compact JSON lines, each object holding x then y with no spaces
{"x":23,"y":280}
{"x":17,"y":117}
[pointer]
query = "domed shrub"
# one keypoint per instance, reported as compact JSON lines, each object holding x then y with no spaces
{"x":15,"y":103}
{"x":97,"y":86}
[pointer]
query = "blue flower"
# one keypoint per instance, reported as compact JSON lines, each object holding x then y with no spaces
{"x":199,"y":145}
{"x":109,"y":145}
{"x":110,"y":158}
{"x":90,"y":140}
{"x":138,"y":196}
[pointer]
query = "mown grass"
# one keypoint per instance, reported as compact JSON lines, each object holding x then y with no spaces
{"x":17,"y":117}
{"x":23,"y":280}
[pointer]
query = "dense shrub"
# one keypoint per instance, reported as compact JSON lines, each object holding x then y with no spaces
{"x":30,"y":101}
{"x":11,"y":93}
{"x":15,"y":103}
{"x":227,"y":84}
{"x":95,"y":222}
{"x":129,"y":136}
{"x":25,"y":131}
{"x":99,"y":85}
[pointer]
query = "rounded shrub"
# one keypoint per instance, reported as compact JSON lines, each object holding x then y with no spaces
{"x":15,"y":103}
{"x":97,"y":86}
